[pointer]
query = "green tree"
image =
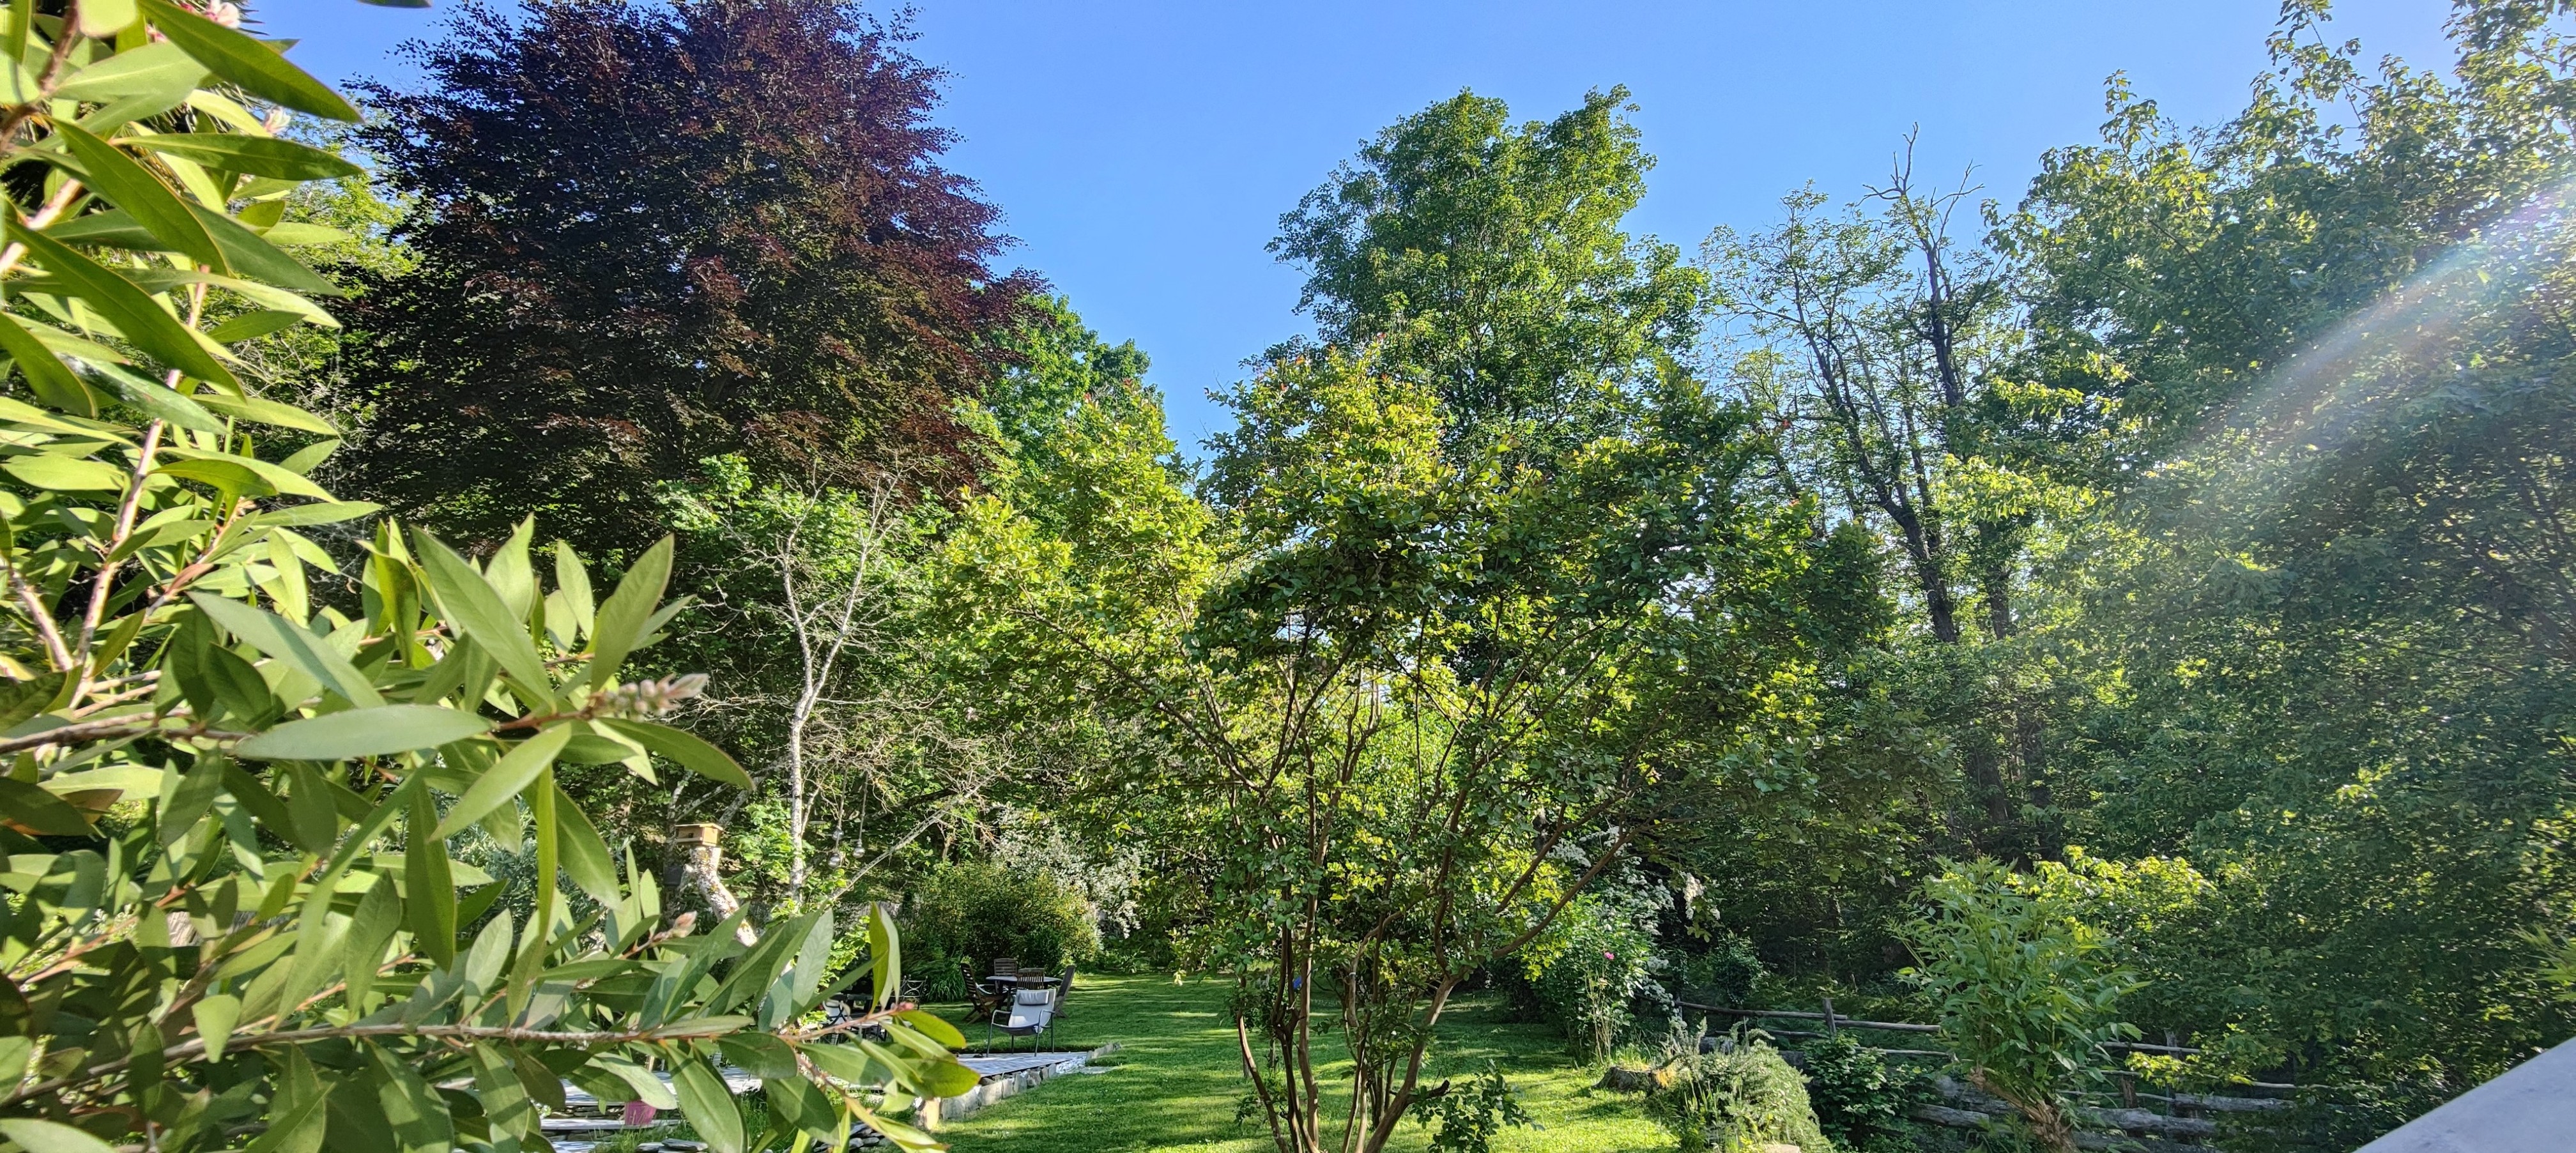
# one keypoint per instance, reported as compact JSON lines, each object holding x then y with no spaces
{"x":1412,"y":703}
{"x":1489,"y":260}
{"x":2325,"y":635}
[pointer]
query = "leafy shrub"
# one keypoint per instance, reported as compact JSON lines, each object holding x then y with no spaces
{"x":1724,"y":974}
{"x":243,"y":768}
{"x":1860,"y":1101}
{"x":1596,"y":961}
{"x":976,"y":911}
{"x":1468,"y":1117}
{"x":2025,"y":997}
{"x":1737,"y":1099}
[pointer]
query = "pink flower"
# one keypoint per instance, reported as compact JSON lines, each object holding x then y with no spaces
{"x":1607,"y":955}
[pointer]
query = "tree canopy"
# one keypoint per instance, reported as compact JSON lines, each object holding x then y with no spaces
{"x":644,"y":236}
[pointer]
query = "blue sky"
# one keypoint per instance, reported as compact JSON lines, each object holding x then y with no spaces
{"x":1144,"y":151}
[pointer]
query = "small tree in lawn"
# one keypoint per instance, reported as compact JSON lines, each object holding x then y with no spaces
{"x":232,"y":913}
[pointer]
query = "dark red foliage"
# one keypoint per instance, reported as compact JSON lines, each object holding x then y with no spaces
{"x":650,"y":234}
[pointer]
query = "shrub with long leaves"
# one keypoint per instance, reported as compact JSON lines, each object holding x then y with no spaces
{"x":229,"y":915}
{"x":2026,"y":997}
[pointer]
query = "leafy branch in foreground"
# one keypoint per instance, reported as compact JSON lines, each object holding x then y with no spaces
{"x":232,"y":914}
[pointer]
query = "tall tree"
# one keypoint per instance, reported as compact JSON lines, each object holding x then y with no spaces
{"x":646,"y":235}
{"x":1880,"y":348}
{"x":1489,"y":258}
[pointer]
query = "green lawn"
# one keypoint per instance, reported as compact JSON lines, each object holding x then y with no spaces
{"x":1176,"y":1081}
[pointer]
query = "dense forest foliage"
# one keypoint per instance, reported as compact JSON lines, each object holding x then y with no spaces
{"x":2125,"y":621}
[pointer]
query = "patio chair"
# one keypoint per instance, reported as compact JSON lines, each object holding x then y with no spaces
{"x":1063,"y":989}
{"x":982,"y":999}
{"x":1029,"y":1014}
{"x":1006,"y":966}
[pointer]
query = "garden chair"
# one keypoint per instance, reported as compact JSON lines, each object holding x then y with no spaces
{"x":1030,"y":1013}
{"x":1063,"y":988}
{"x":982,"y":999}
{"x":1006,"y":966}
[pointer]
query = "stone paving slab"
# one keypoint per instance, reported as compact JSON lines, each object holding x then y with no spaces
{"x":1005,"y":1064}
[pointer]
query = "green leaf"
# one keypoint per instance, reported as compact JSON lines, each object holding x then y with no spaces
{"x":128,"y":185}
{"x":65,"y":474}
{"x":839,"y":1062}
{"x":267,"y":412}
{"x":946,"y":1078}
{"x":805,"y":983}
{"x":648,"y":1088}
{"x":103,"y":19}
{"x":255,"y":796}
{"x":195,"y":794}
{"x":38,"y":1136}
{"x":160,"y":72}
{"x":326,"y":512}
{"x":46,"y":376}
{"x":224,"y":476}
{"x":304,"y":460}
{"x":709,"y":1106}
{"x":759,"y":967}
{"x":130,"y":309}
{"x":934,"y":1027}
{"x":572,"y":583}
{"x":799,"y":1103}
{"x":504,"y":1098}
{"x":251,"y":255}
{"x":470,"y":602}
{"x":885,"y":955}
{"x":510,"y":573}
{"x":20,"y":700}
{"x":289,"y":642}
{"x":112,"y":228}
{"x":246,"y":63}
{"x":299,"y":1110}
{"x":216,"y":1016}
{"x":627,"y":611}
{"x":39,"y":811}
{"x":363,"y":732}
{"x":417,"y":1114}
{"x":431,"y":895}
{"x":256,"y":155}
{"x":253,"y":325}
{"x":490,"y":954}
{"x":27,"y":416}
{"x":760,"y":1054}
{"x":693,"y":753}
{"x":505,"y":779}
{"x":154,"y":398}
{"x":379,"y":915}
{"x":585,"y":855}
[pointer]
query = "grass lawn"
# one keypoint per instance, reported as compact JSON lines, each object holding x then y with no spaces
{"x":1177,"y":1078}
